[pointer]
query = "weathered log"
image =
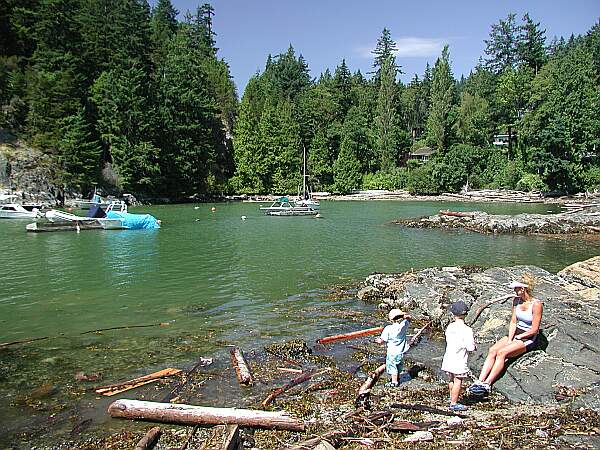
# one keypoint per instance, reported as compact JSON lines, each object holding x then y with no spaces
{"x":232,"y":438}
{"x":455,"y":214}
{"x":352,"y":335}
{"x":371,"y":380}
{"x":113,"y":389}
{"x":489,"y":303}
{"x":149,"y":440}
{"x":286,"y":387}
{"x":242,"y":370}
{"x":201,"y":415}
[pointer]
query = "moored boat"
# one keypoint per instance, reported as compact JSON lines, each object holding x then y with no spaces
{"x":283,"y":206}
{"x":9,"y":209}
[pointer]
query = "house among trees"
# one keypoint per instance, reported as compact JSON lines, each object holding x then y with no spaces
{"x":501,"y":140}
{"x":421,"y":154}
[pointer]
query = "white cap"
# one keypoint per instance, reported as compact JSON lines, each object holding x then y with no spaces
{"x":395,"y":313}
{"x":517,"y":284}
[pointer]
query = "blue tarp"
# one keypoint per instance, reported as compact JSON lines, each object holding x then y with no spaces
{"x":135,"y":221}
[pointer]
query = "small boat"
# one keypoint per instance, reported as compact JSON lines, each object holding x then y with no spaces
{"x":9,"y":209}
{"x":283,"y":206}
{"x":306,"y":199}
{"x":99,"y":201}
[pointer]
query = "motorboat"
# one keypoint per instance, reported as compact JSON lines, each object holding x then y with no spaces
{"x":283,"y":206}
{"x":99,"y":201}
{"x":9,"y":209}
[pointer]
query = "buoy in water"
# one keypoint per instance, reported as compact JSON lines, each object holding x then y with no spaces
{"x":213,"y":209}
{"x":318,"y":216}
{"x":243,"y":217}
{"x":196,"y":207}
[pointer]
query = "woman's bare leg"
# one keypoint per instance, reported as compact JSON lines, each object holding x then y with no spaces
{"x":515,"y":348}
{"x":491,"y":358}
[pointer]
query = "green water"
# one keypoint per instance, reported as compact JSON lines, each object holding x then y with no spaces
{"x":211,"y":279}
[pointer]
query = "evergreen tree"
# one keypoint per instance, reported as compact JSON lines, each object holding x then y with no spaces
{"x":163,"y":24}
{"x":440,"y":120}
{"x":473,"y":125}
{"x":385,"y":51}
{"x":346,"y":169}
{"x":387,"y":121}
{"x":531,"y":46}
{"x":501,"y":48}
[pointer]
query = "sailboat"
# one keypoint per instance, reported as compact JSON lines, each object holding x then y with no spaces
{"x":305,"y":199}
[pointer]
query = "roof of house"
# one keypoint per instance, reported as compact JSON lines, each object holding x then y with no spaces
{"x":423,"y":151}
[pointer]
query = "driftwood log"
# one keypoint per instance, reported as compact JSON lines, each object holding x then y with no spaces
{"x":352,"y":335}
{"x":117,"y":388}
{"x":201,"y":415}
{"x":242,"y":370}
{"x":455,"y":214}
{"x":232,"y":438}
{"x":371,"y":380}
{"x":149,"y":440}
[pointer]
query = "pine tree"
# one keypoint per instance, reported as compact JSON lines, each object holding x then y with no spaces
{"x":501,"y":48}
{"x":385,"y":51}
{"x":386,"y":128}
{"x":531,"y":45}
{"x":439,"y":122}
{"x":163,"y":24}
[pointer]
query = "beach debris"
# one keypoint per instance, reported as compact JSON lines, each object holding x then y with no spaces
{"x":202,"y":362}
{"x":203,"y":415}
{"x":242,"y":370}
{"x":296,"y":381}
{"x":149,"y":440}
{"x":117,"y":388}
{"x":82,"y":376}
{"x":351,"y":335}
{"x":420,"y":436}
{"x":232,"y":438}
{"x":365,"y":388}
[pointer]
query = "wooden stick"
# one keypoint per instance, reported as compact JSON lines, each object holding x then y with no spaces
{"x":371,"y":380}
{"x":347,"y":336}
{"x":130,"y":384}
{"x":418,"y":334}
{"x":186,"y":377}
{"x":149,"y":440}
{"x":242,"y":370}
{"x":232,"y":439}
{"x":189,"y":438}
{"x":200,"y":415}
{"x":491,"y":302}
{"x":24,"y":341}
{"x":126,"y":327}
{"x":418,"y":407}
{"x":286,"y":369}
{"x":286,"y":387}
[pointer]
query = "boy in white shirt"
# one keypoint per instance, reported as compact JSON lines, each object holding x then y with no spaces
{"x":459,"y":341}
{"x":395,"y":336}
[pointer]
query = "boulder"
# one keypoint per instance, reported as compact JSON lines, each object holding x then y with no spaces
{"x":569,"y":359}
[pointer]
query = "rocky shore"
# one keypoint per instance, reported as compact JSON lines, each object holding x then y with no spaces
{"x":568,"y":363}
{"x":582,"y":222}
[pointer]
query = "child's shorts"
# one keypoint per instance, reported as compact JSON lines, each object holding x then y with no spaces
{"x":462,"y":376}
{"x":393,"y":364}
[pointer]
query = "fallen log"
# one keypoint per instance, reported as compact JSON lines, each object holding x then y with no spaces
{"x":489,"y":303}
{"x":286,"y":387}
{"x":149,"y":440}
{"x":201,"y":415}
{"x":113,"y":389}
{"x":371,"y":380}
{"x":347,"y":336}
{"x":456,"y":214}
{"x":242,"y":370}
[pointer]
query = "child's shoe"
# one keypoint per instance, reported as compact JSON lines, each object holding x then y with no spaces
{"x":458,"y":407}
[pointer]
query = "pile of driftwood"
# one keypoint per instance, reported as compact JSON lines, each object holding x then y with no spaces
{"x":500,"y":195}
{"x":360,"y":422}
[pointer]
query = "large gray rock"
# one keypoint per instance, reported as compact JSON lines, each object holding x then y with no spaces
{"x":571,"y":325}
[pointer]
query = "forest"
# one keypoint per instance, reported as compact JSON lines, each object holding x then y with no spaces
{"x":131,"y":99}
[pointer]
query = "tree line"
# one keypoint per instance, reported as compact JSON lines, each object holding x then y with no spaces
{"x":126,"y":95}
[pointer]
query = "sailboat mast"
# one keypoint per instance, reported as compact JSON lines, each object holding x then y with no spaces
{"x":304,"y":174}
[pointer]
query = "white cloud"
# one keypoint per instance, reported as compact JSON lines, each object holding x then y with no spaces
{"x":411,"y":47}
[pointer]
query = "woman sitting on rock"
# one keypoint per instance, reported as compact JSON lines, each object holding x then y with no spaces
{"x":522,"y":335}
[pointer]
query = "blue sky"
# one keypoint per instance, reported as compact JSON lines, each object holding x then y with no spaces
{"x":325,"y":32}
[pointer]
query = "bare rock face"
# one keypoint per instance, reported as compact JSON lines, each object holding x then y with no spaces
{"x":566,"y":367}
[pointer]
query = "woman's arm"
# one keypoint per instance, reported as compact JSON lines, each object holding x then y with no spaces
{"x":537,"y":310}
{"x":513,"y":325}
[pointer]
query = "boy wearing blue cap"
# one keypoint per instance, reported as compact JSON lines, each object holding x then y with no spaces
{"x":459,"y":341}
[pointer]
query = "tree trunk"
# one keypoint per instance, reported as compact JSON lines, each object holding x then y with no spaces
{"x":242,"y":370}
{"x":352,"y":335}
{"x":200,"y":415}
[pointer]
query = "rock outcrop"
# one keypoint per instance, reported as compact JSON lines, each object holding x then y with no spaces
{"x":567,"y":366}
{"x":573,"y":223}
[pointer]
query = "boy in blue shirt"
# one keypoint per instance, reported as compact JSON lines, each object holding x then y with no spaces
{"x":395,"y":336}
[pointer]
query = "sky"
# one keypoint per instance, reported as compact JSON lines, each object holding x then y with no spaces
{"x":325,"y":32}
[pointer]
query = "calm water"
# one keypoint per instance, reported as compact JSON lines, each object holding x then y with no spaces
{"x":211,"y":279}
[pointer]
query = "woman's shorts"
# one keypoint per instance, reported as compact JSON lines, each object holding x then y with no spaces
{"x":530,"y":343}
{"x":394,"y":364}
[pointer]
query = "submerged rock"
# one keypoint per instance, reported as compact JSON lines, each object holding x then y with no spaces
{"x":568,"y":359}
